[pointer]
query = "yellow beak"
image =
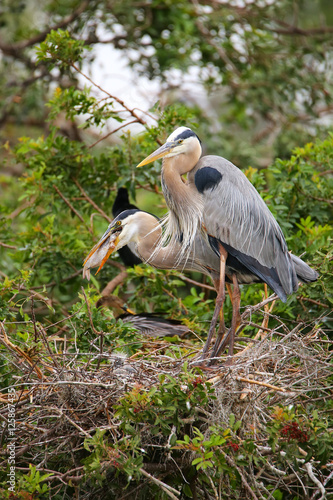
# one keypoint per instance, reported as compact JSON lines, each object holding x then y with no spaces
{"x":104,"y":256}
{"x":159,"y":153}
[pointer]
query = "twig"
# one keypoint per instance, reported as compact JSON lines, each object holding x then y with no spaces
{"x":317,"y":198}
{"x":244,"y":481}
{"x":205,"y":32}
{"x":89,"y":313}
{"x":213,"y":487}
{"x":264,"y":384}
{"x":112,"y":132}
{"x":7,"y":246}
{"x":54,"y":283}
{"x":34,"y":318}
{"x":307,"y":299}
{"x":248,"y":381}
{"x":295,"y":30}
{"x":321,"y":488}
{"x":165,"y":487}
{"x":62,"y":414}
{"x":117,"y":99}
{"x":197,"y":283}
{"x":262,"y":328}
{"x":19,"y":352}
{"x":327,"y":480}
{"x":96,"y":207}
{"x":72,"y":208}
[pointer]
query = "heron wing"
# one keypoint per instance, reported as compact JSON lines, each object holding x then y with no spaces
{"x":236,"y":215}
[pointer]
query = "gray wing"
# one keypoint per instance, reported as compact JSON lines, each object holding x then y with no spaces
{"x":155,"y":326}
{"x":304,"y":272}
{"x":236,"y":215}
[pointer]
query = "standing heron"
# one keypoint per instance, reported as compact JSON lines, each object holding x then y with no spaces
{"x":142,"y":233}
{"x":219,"y":202}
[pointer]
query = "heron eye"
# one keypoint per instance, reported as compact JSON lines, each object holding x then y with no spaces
{"x":180,"y":141}
{"x":118,"y":223}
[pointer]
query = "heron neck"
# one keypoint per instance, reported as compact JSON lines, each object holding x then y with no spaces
{"x":150,"y":250}
{"x":184,"y":201}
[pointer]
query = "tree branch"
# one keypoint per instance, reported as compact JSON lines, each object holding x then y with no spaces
{"x":72,"y":208}
{"x":15,"y":48}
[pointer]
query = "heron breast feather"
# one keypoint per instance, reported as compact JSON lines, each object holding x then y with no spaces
{"x":207,"y":178}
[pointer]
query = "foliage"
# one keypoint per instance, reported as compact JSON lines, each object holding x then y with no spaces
{"x":162,"y":432}
{"x":265,"y":65}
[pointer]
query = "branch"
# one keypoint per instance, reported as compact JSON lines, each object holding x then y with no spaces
{"x":7,"y":246}
{"x":316,"y":481}
{"x":118,"y":280}
{"x":112,"y":132}
{"x":72,"y":208}
{"x":132,"y":112}
{"x":165,"y":487}
{"x":329,"y":477}
{"x":208,"y":37}
{"x":325,"y":200}
{"x":96,"y":207}
{"x":197,"y":283}
{"x":246,"y":485}
{"x":15,"y":48}
{"x":289,"y":29}
{"x":96,"y":332}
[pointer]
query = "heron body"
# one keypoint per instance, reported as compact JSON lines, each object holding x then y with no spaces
{"x":219,"y":202}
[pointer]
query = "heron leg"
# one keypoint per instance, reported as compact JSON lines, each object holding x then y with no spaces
{"x":235,"y":315}
{"x":219,"y":300}
{"x":230,"y":336}
{"x":230,"y":292}
{"x":221,"y":330}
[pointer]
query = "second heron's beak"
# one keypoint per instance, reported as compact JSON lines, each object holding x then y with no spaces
{"x":100,"y":253}
{"x":159,"y":153}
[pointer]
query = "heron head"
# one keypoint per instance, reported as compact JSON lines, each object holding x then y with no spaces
{"x":122,"y":230}
{"x":182,"y":141}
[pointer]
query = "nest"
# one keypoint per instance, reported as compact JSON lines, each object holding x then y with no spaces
{"x":61,"y":399}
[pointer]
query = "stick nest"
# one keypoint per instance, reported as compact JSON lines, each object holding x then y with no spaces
{"x":61,"y":398}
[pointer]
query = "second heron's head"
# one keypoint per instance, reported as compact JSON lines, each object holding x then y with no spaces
{"x":128,"y":227}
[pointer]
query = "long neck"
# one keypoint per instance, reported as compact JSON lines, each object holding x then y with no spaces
{"x":150,"y":250}
{"x":184,"y":201}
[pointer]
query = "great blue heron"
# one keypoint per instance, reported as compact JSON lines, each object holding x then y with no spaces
{"x":142,"y":233}
{"x":219,"y":202}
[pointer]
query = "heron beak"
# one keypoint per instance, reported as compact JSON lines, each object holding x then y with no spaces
{"x":159,"y":153}
{"x":100,"y":253}
{"x":109,"y":252}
